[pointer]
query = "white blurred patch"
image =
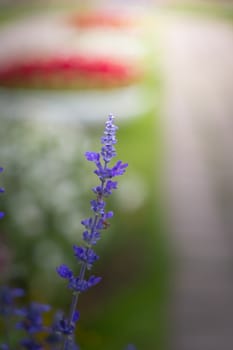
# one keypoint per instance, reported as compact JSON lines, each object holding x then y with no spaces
{"x":111,"y":43}
{"x":70,"y":226}
{"x":48,"y":255}
{"x":26,"y":214}
{"x":74,"y":106}
{"x":132,"y":192}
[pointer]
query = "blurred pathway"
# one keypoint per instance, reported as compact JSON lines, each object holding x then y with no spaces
{"x":199,"y":123}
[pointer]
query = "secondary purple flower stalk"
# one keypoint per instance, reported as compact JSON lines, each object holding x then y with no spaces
{"x":7,"y":296}
{"x":32,"y":324}
{"x":32,"y":318}
{"x":7,"y":310}
{"x":93,"y":225}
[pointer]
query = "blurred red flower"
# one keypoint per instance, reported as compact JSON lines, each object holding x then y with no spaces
{"x":69,"y":72}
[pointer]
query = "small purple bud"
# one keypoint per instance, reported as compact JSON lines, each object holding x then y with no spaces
{"x":64,"y":271}
{"x":92,"y":156}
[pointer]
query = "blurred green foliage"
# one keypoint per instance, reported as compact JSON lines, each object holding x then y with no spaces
{"x":217,"y":10}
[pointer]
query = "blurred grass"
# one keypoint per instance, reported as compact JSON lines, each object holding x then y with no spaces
{"x":19,"y":11}
{"x":220,"y":11}
{"x":9,"y":14}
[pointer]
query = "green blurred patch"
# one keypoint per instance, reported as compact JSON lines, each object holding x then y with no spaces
{"x":17,"y":11}
{"x":212,"y":10}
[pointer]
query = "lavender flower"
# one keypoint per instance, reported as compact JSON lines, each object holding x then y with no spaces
{"x":85,"y":253}
{"x":32,"y":324}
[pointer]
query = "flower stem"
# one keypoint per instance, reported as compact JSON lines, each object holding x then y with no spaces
{"x":73,"y":306}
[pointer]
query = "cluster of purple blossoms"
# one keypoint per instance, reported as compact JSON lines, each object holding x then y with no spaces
{"x":31,"y":317}
{"x":93,"y":225}
{"x":32,"y":324}
{"x":32,"y":321}
{"x":7,"y":300}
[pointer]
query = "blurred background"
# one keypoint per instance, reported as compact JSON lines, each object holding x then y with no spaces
{"x":164,"y":68}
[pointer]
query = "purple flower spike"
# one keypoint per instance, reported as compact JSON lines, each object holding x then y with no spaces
{"x":93,"y":225}
{"x":32,"y":322}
